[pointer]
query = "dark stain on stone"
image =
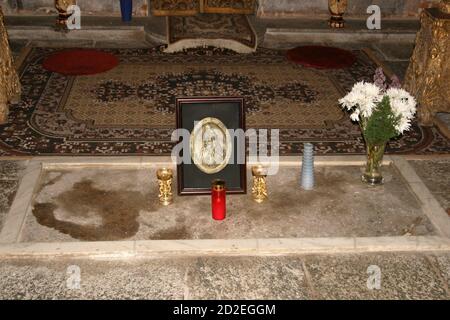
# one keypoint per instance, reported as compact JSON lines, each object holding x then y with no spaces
{"x":118,"y":211}
{"x":51,"y":181}
{"x":175,"y":233}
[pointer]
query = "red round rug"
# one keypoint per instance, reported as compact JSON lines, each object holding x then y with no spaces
{"x":80,"y":62}
{"x":321,"y":57}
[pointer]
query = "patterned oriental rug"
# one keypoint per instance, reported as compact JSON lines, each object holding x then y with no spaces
{"x":130,"y":109}
{"x":229,"y":31}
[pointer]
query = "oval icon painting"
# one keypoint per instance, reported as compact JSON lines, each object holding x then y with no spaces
{"x":210,"y":145}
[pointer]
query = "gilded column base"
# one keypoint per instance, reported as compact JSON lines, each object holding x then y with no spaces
{"x":445,"y":6}
{"x":3,"y":113}
{"x":426,"y":118}
{"x":428,"y":74}
{"x":336,"y":22}
{"x":9,"y":80}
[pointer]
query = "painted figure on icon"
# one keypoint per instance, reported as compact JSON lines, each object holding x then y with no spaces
{"x":210,"y":145}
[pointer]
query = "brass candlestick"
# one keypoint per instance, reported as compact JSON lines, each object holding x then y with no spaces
{"x":63,"y":15}
{"x":337,"y":9}
{"x":165,"y":176}
{"x":259,"y":190}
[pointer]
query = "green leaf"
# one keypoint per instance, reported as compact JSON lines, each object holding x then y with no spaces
{"x":380,"y":126}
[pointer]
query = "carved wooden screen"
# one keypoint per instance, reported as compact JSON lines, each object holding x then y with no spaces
{"x":192,"y":7}
{"x":229,"y":6}
{"x":175,"y":7}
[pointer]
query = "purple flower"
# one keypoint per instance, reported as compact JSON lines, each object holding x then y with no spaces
{"x":379,"y":79}
{"x":395,"y":83}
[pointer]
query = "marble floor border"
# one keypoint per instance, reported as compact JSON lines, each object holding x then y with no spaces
{"x":426,"y":157}
{"x":60,"y":162}
{"x":124,"y":33}
{"x":10,"y":245}
{"x":430,"y":206}
{"x":344,"y":159}
{"x":225,"y":247}
{"x":13,"y":224}
{"x":280,"y":35}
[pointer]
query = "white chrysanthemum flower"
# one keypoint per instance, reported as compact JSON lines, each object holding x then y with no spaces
{"x":349,"y":101}
{"x":364,"y":96}
{"x":355,"y":115}
{"x":403,"y":105}
{"x":404,"y":125}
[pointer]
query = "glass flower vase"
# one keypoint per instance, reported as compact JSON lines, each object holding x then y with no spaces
{"x":372,"y":173}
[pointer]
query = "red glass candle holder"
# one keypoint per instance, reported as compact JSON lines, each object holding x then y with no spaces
{"x":218,"y":200}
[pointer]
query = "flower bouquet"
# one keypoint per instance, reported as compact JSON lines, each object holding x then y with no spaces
{"x":383,"y":112}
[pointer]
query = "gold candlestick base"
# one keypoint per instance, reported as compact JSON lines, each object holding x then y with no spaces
{"x":336,"y":22}
{"x":259,"y":190}
{"x":165,"y":177}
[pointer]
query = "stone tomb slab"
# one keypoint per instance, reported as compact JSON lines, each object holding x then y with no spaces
{"x":121,"y":203}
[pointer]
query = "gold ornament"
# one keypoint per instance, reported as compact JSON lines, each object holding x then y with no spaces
{"x":445,"y":6}
{"x":165,"y":176}
{"x":9,"y":80}
{"x":428,"y":74}
{"x":259,"y":190}
{"x":193,"y":7}
{"x":337,"y":9}
{"x":61,"y":6}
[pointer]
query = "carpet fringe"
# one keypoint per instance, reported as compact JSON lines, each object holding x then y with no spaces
{"x":218,"y":43}
{"x":193,"y":43}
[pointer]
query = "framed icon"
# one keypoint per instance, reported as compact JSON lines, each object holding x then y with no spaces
{"x":213,"y":147}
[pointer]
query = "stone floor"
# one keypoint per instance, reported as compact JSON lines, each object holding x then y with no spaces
{"x":10,"y":174}
{"x":332,"y":276}
{"x":436,"y":176}
{"x":403,"y":276}
{"x":116,"y":204}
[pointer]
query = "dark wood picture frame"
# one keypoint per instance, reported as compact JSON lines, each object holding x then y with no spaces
{"x":199,"y":105}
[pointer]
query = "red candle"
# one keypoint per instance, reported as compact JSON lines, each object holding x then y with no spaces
{"x":218,"y":200}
